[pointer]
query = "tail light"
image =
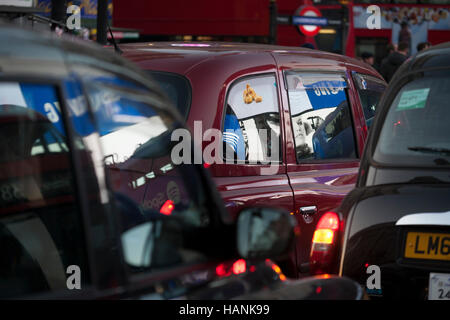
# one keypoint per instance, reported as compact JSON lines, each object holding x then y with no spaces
{"x":239,"y":266}
{"x":324,"y":244}
{"x":167,"y":208}
{"x":226,"y":269}
{"x":206,"y":165}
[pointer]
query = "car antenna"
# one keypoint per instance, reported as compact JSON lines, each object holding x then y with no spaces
{"x":116,"y":47}
{"x":34,"y":17}
{"x":38,"y":18}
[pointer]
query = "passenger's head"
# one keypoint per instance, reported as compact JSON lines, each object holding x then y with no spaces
{"x":368,"y":58}
{"x":390,"y":48}
{"x":403,"y":47}
{"x":423,"y":45}
{"x":308,"y":45}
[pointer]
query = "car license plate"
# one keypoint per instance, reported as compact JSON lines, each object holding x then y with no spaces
{"x":439,"y":286}
{"x":431,"y":246}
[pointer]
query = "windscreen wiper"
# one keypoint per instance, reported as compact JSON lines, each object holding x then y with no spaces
{"x":430,"y":150}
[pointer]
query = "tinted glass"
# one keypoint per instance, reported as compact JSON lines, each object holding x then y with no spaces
{"x":321,"y":117}
{"x":41,"y":232}
{"x":161,"y":205}
{"x":416,"y":130}
{"x":93,"y":184}
{"x":177,"y":88}
{"x":370,"y":91}
{"x":251,"y":131}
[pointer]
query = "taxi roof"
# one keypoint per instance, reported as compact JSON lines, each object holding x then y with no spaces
{"x":182,"y":57}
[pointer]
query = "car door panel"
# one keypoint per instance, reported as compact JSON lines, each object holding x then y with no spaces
{"x":321,"y":182}
{"x":245,"y":182}
{"x":323,"y":186}
{"x":241,"y":192}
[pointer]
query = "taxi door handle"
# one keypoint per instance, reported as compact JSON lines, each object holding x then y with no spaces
{"x":308,"y":211}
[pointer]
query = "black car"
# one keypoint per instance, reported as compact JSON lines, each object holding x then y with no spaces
{"x":92,"y":205}
{"x":393,"y":229}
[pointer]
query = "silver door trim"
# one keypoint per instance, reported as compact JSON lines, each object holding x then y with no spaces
{"x":427,"y":219}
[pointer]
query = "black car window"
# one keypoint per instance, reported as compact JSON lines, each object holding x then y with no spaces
{"x":161,"y":205}
{"x":370,"y":91}
{"x":41,"y":233}
{"x":177,"y":89}
{"x":415,"y":130}
{"x":321,"y":117}
{"x":251,"y":128}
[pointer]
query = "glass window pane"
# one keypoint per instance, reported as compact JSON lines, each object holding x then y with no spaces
{"x":321,"y":118}
{"x":177,"y":89}
{"x":370,"y":91}
{"x":161,"y":205}
{"x":416,"y":130}
{"x":251,"y":130}
{"x":41,"y":231}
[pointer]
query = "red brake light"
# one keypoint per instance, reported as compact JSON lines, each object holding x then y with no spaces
{"x":325,"y":230}
{"x":324,"y":244}
{"x":167,"y":208}
{"x":239,"y":266}
{"x":329,"y":220}
{"x":221,"y":270}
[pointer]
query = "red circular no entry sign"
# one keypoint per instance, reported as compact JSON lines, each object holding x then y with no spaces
{"x":308,"y":11}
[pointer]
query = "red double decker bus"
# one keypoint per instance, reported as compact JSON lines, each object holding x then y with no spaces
{"x":252,"y":21}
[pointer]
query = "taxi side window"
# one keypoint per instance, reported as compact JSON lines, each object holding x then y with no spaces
{"x":370,"y":91}
{"x":41,"y":232}
{"x":251,"y":128}
{"x":321,"y":117}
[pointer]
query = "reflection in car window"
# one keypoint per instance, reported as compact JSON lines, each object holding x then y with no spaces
{"x":416,"y":130}
{"x":321,"y":118}
{"x":177,"y":89}
{"x":41,"y":231}
{"x":161,"y":205}
{"x":370,"y":91}
{"x":251,"y":131}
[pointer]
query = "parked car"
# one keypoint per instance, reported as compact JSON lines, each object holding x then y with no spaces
{"x":316,"y":108}
{"x":394,"y":227}
{"x":91,"y":204}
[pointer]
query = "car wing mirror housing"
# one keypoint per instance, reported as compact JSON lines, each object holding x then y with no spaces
{"x":265,"y":233}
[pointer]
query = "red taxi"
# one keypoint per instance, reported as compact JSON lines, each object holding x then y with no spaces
{"x":314,"y":107}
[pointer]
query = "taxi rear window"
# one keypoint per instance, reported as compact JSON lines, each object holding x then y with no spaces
{"x":177,"y":88}
{"x":416,"y":130}
{"x":321,"y":116}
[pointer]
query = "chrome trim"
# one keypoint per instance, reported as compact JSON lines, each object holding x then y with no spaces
{"x":428,"y":219}
{"x":311,"y":210}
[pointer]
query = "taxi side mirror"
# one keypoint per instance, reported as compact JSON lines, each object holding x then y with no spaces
{"x":264,"y":233}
